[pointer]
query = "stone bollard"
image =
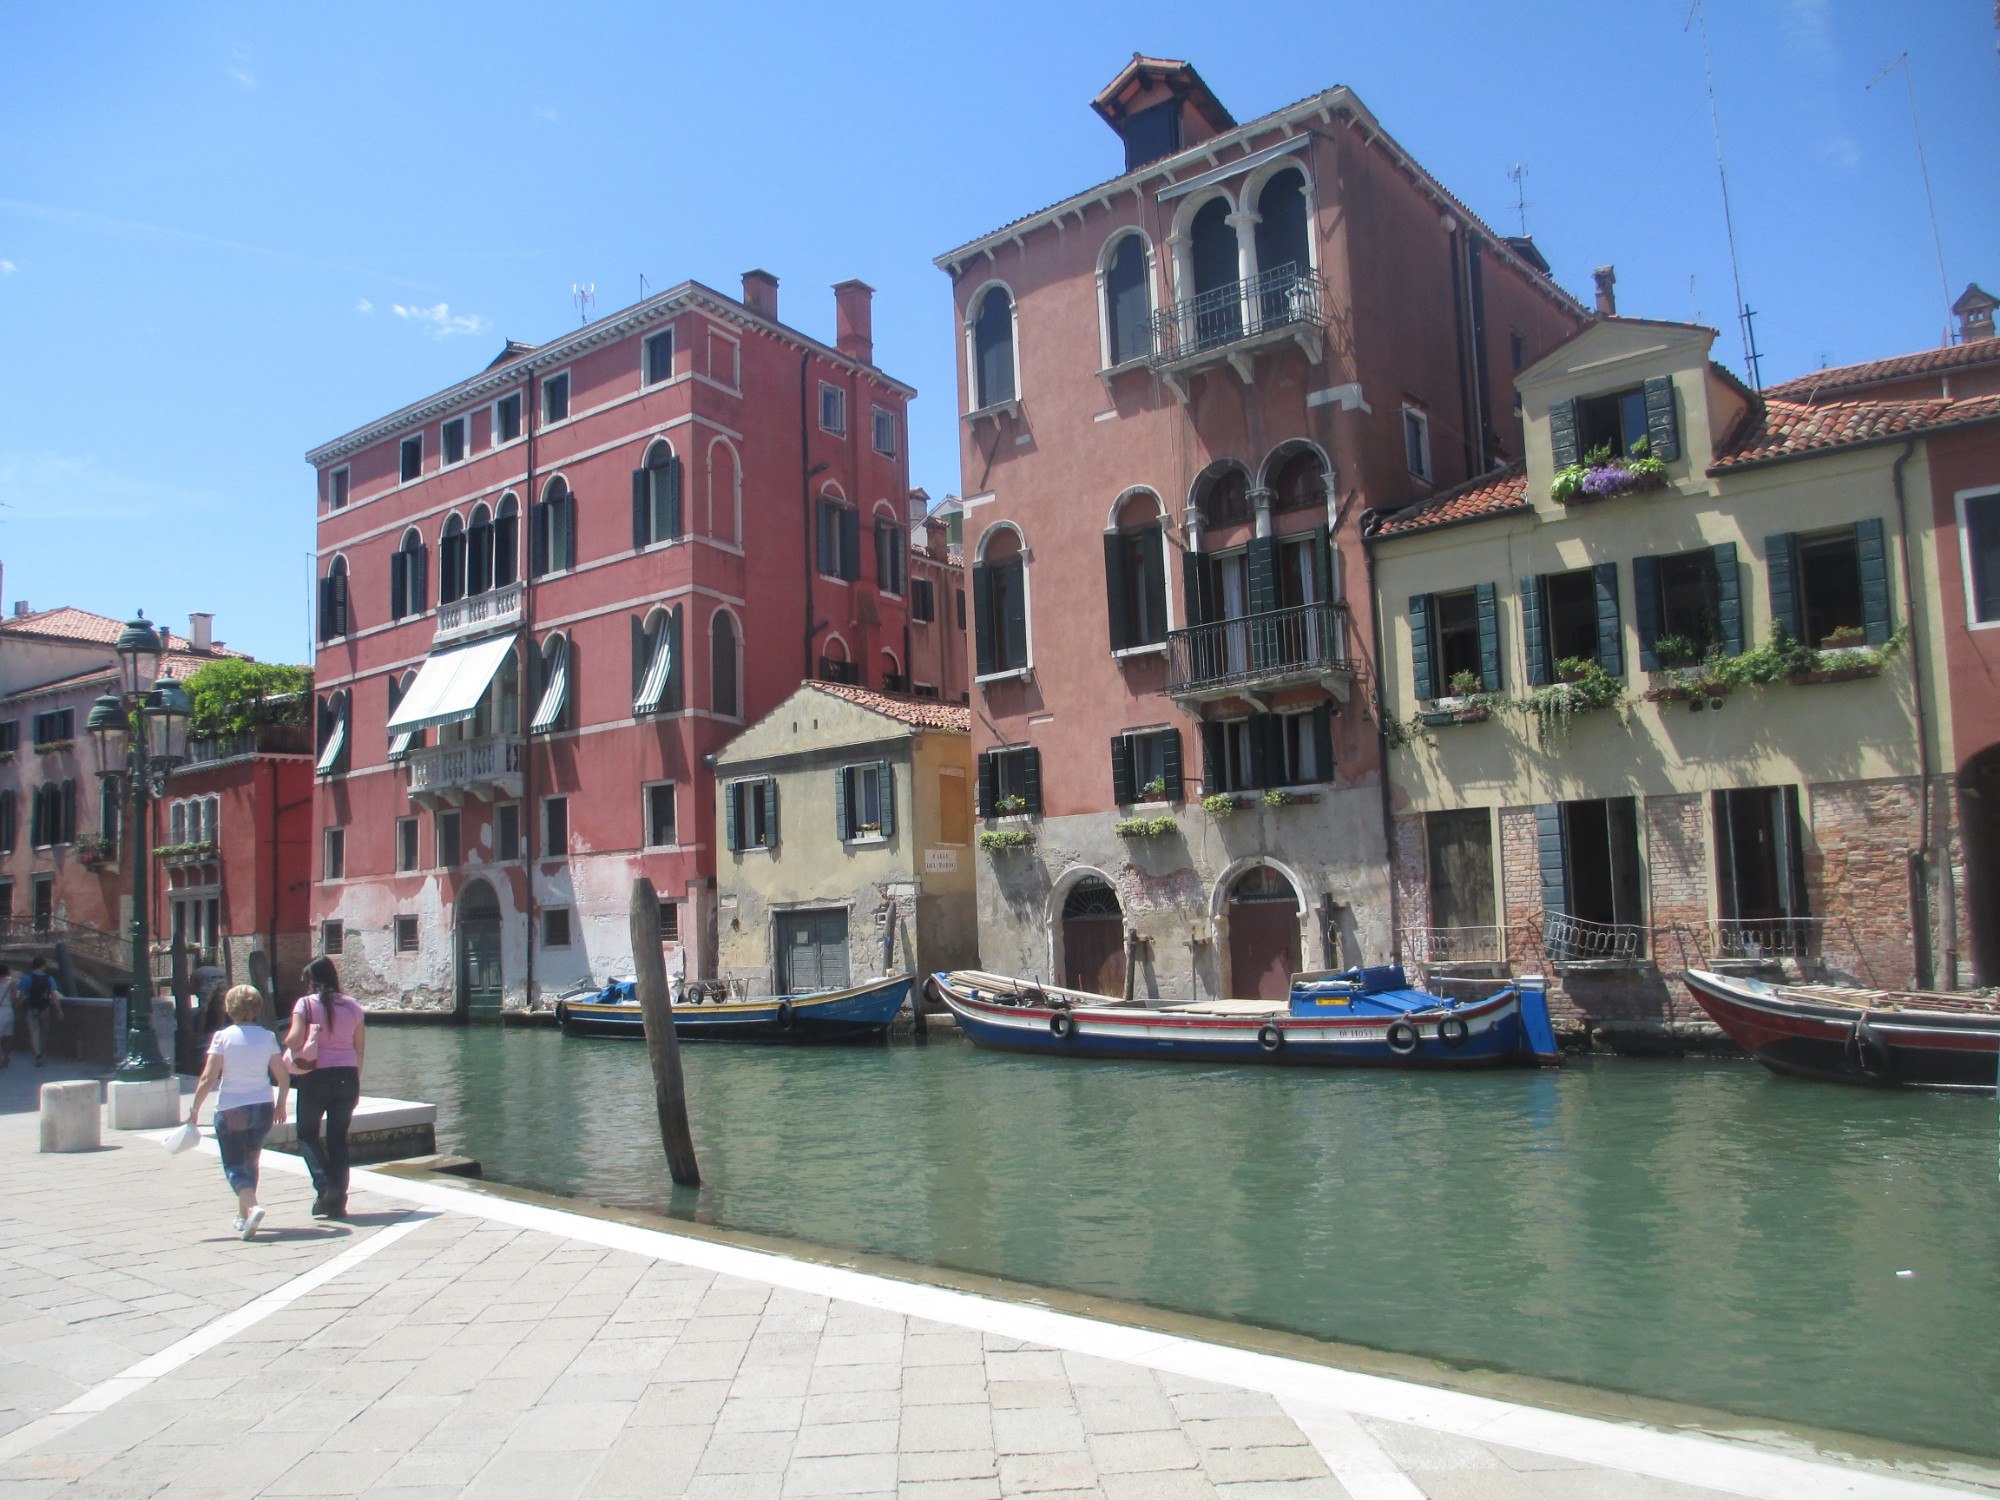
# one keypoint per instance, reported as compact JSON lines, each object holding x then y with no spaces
{"x":70,"y":1117}
{"x":152,"y":1104}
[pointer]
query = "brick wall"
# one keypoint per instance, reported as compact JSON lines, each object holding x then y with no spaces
{"x":1858,"y":878}
{"x":1520,"y":871}
{"x":1677,"y":864}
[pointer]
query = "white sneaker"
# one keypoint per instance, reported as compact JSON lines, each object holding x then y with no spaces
{"x":237,"y":1225}
{"x":248,"y":1226}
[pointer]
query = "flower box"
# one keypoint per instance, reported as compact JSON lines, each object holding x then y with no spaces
{"x":1444,"y":712}
{"x":1222,"y":804}
{"x":1580,"y":484}
{"x":1147,"y":828}
{"x":1690,"y":685}
{"x":1005,"y":840}
{"x":50,"y":747}
{"x":1845,"y":672}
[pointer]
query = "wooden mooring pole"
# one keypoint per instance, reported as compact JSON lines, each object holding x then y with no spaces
{"x":656,"y":1010}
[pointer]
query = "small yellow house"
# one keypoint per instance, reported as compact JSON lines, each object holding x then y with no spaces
{"x":1662,"y":694}
{"x":846,"y":817}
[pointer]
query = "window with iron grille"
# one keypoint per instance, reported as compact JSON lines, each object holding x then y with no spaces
{"x":407,"y":939}
{"x":332,"y":938}
{"x":555,"y":927}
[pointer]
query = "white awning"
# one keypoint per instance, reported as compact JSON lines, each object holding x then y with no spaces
{"x":548,"y":713}
{"x":653,"y":691}
{"x":450,"y":684}
{"x":329,"y":758}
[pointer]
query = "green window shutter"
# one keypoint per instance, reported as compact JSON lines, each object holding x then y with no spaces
{"x":1873,"y":554}
{"x":1031,"y":777}
{"x":1610,"y":631}
{"x":1151,"y":587}
{"x":1170,"y":765}
{"x":989,"y":777}
{"x":1781,"y":564}
{"x":640,"y":656}
{"x":1122,"y":790}
{"x":1562,"y":434}
{"x":1323,"y":741}
{"x":677,"y":671}
{"x":1488,"y":604}
{"x":843,"y":829}
{"x":1728,"y":597}
{"x":642,"y":508}
{"x":1264,"y":765}
{"x":1262,"y":558}
{"x":850,"y":543}
{"x":729,"y":814}
{"x":1646,"y":605}
{"x":1116,"y":585}
{"x":1323,"y":564}
{"x":674,"y":527}
{"x":1552,"y":856}
{"x":1211,"y":758}
{"x":770,"y":794}
{"x":982,"y":616}
{"x":1420,"y":646}
{"x":1197,"y":588}
{"x":1663,"y":427}
{"x":538,"y":540}
{"x":885,"y":782}
{"x":1016,"y":623}
{"x":1531,"y":630}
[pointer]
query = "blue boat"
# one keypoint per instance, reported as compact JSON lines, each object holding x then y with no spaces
{"x":1358,"y":1018}
{"x":851,"y":1014}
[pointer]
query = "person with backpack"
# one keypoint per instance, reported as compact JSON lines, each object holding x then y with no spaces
{"x":324,"y":1047}
{"x":39,"y":997}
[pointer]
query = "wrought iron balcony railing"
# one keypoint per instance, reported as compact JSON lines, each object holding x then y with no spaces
{"x":1454,"y":945}
{"x":1575,"y":940}
{"x":1278,"y":299}
{"x":1304,"y":643}
{"x":496,"y":609}
{"x":449,"y":771}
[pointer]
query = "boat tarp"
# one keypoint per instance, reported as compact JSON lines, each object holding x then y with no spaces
{"x":450,"y":684}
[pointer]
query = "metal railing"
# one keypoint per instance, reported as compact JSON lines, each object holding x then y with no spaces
{"x":1751,"y":939}
{"x":495,"y":609}
{"x":1305,"y":640}
{"x":464,"y":764}
{"x":92,"y":942}
{"x":1454,"y":945}
{"x":1569,"y":940}
{"x":1279,"y":298}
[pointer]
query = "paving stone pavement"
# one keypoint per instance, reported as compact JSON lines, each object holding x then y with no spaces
{"x":465,"y":1356}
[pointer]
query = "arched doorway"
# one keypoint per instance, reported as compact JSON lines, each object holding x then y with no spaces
{"x":1979,"y":817}
{"x":1093,"y":939}
{"x":479,"y":982}
{"x":1263,"y":935}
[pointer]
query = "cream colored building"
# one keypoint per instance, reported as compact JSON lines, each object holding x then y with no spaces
{"x":1676,"y":813}
{"x":846,"y":822}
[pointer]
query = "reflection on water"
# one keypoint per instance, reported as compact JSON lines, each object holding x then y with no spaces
{"x":1696,"y":1231}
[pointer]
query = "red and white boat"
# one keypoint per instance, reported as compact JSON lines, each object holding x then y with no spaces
{"x":1875,"y":1037}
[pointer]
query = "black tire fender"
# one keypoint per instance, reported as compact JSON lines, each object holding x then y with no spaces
{"x":1062,"y":1025}
{"x":1453,"y":1031}
{"x":784,"y":1015}
{"x":1866,"y":1050}
{"x":1403,"y":1038}
{"x":1270,"y":1038}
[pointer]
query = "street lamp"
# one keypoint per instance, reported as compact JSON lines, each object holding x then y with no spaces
{"x":160,"y":715}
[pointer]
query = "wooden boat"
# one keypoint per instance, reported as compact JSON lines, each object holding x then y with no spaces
{"x":1357,"y":1018}
{"x":853,"y":1014}
{"x":1871,"y":1037}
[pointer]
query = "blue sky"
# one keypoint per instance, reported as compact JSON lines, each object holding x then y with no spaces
{"x":228,"y":232}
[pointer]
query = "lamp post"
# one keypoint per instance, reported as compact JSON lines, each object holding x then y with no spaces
{"x":145,"y":730}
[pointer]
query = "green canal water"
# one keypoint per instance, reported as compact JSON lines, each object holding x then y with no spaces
{"x":1695,"y":1231}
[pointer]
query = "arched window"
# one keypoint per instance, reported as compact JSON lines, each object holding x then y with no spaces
{"x":1224,"y":496}
{"x":451,"y":561}
{"x":993,"y":349}
{"x":408,"y":588}
{"x":553,"y":668}
{"x":405,"y":740}
{"x":479,"y":552}
{"x":723,"y":487}
{"x":722,"y":692}
{"x":834,"y":663}
{"x":656,"y":662}
{"x":1284,"y":251}
{"x":332,"y":735}
{"x":334,"y":620}
{"x":1135,"y":575}
{"x":1128,"y":311}
{"x":1218,"y":309}
{"x":1000,"y":604}
{"x":552,"y":530}
{"x":1300,"y":483}
{"x":893,"y":680}
{"x":656,"y":497}
{"x":507,"y":542}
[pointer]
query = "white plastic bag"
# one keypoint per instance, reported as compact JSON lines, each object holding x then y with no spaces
{"x":182,"y":1138}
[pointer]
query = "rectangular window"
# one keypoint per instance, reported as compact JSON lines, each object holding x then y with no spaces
{"x":445,"y":831}
{"x":1690,"y":608}
{"x":412,"y":457}
{"x":923,"y":690}
{"x":1269,"y":750}
{"x":659,"y":356}
{"x":334,"y":865}
{"x":1417,"y":443}
{"x":865,"y":802}
{"x":1569,"y":619}
{"x":10,"y":736}
{"x":336,"y":488}
{"x":961,"y":608}
{"x":1010,"y":782}
{"x":1760,"y":871}
{"x":1517,"y":348}
{"x":1982,"y":556}
{"x":507,"y":831}
{"x":406,"y":935}
{"x":885,"y":432}
{"x":454,"y":440}
{"x":839,"y":540}
{"x":670,"y":921}
{"x":1000,"y":611}
{"x":1460,"y":846}
{"x":660,"y":815}
{"x":332,"y":938}
{"x":1592,"y":879}
{"x":406,"y":845}
{"x":1146,"y":766}
{"x":55,"y":727}
{"x":1829,"y":584}
{"x":9,"y":824}
{"x":892,"y":552}
{"x":6,"y":898}
{"x":555,"y":927}
{"x":753,"y":813}
{"x":555,"y":398}
{"x":506,"y":419}
{"x":555,"y":827}
{"x":1454,"y":637}
{"x":832,"y":409}
{"x":1614,"y":424}
{"x":923,"y":601}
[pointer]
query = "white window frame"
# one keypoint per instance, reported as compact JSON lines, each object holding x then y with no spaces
{"x":463,"y":422}
{"x":852,"y":775}
{"x":569,"y":398}
{"x":1984,"y":492}
{"x":407,"y":439}
{"x":646,"y":791}
{"x":340,"y":481}
{"x":828,"y":388}
{"x":647,"y":379}
{"x":879,"y":418}
{"x":733,"y":379}
{"x":735,"y":788}
{"x":493,"y":438}
{"x":1422,"y":419}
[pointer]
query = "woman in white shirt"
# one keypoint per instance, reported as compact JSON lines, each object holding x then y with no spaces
{"x":244,"y":1062}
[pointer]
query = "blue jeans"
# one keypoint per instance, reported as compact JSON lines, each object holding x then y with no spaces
{"x":240,"y":1133}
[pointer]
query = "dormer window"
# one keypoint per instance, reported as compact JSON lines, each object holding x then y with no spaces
{"x":1598,"y":428}
{"x":1614,"y":423}
{"x":1152,"y":133}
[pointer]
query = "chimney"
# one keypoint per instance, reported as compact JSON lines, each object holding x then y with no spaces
{"x":1606,"y":278}
{"x":21,"y":610}
{"x":854,"y":320}
{"x":935,"y":537}
{"x":1975,"y":313}
{"x":760,"y":294}
{"x":201,"y":632}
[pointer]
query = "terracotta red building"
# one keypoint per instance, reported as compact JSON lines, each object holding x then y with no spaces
{"x":549,"y":592}
{"x":1181,"y":387}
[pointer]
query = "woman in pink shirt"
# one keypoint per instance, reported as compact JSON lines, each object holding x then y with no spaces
{"x":325,"y":1046}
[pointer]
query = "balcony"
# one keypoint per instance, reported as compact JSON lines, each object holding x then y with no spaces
{"x":1261,"y":654}
{"x":445,"y":775}
{"x":496,"y":609}
{"x":1233,"y":322}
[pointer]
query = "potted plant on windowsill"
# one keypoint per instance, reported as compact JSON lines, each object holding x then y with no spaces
{"x":1010,"y":805}
{"x":96,"y":851}
{"x":1465,"y":704}
{"x":1599,"y":476}
{"x":1582,"y":687}
{"x":1154,"y":790}
{"x":1686,"y":676}
{"x":1220,"y":804}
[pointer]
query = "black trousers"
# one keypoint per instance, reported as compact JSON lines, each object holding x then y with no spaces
{"x":329,"y":1094}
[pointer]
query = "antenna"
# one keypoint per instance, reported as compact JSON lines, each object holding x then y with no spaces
{"x":1518,"y":175}
{"x":1743,"y":313}
{"x":642,"y":286}
{"x":1909,"y":78}
{"x":584,"y":294}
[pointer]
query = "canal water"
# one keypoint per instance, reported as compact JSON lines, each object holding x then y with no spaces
{"x":1694,"y":1231}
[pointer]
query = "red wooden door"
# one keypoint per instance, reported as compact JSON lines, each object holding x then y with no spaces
{"x":1263,"y":937}
{"x":1094,"y":955}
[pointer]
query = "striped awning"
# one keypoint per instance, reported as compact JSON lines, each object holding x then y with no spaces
{"x":450,"y":684}
{"x":548,"y":712}
{"x":653,"y":691}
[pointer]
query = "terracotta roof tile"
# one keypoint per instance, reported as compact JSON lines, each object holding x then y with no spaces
{"x":179,"y":665}
{"x":70,"y":624}
{"x":1793,"y":429}
{"x":1874,"y":371}
{"x":919,"y":713}
{"x":1497,"y":494}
